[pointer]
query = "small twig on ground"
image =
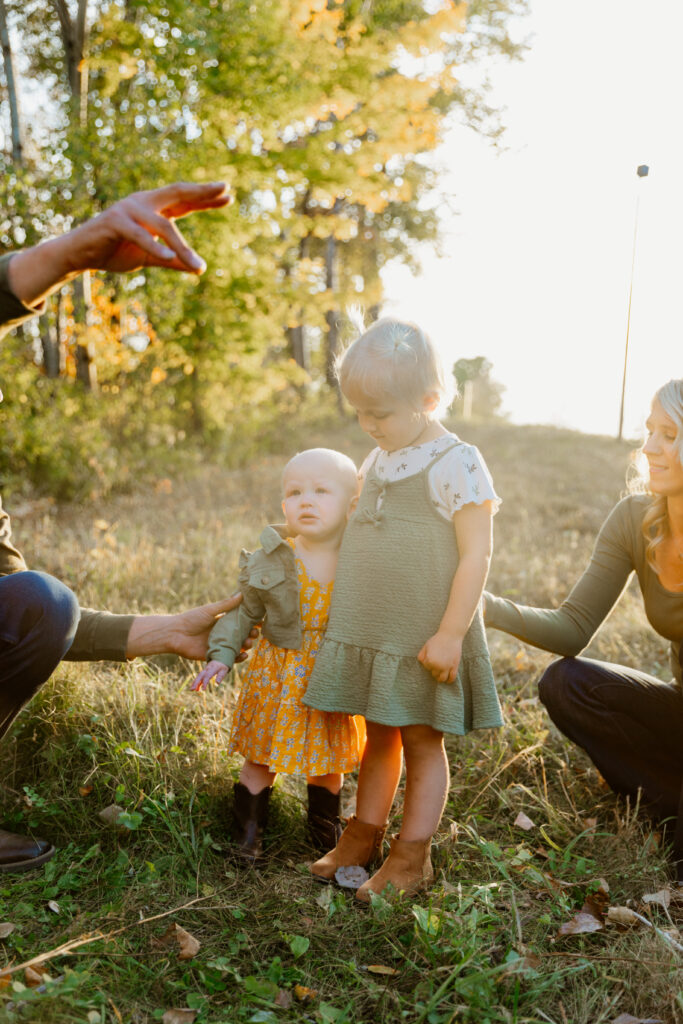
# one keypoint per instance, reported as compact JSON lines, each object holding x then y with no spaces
{"x":67,"y":947}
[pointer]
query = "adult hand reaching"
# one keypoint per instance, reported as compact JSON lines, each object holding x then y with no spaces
{"x":120,"y":239}
{"x":185,"y":634}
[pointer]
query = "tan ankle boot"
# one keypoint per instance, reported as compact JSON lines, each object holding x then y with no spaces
{"x":359,"y":843}
{"x":408,"y":868}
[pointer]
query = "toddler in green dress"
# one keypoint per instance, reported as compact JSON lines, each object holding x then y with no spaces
{"x":405,"y":643}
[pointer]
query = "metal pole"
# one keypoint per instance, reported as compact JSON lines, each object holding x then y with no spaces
{"x":642,"y":172}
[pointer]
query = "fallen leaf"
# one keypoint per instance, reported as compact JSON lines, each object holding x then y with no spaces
{"x":54,"y":906}
{"x":521,"y":821}
{"x":85,"y":790}
{"x":325,"y":898}
{"x":597,"y":901}
{"x":110,"y":815}
{"x":304,"y":994}
{"x":623,"y":916}
{"x":34,"y":976}
{"x":283,"y":999}
{"x":580,"y":924}
{"x":5,"y":981}
{"x":189,"y":946}
{"x":381,"y":969}
{"x":307,"y":922}
{"x":663,"y":898}
{"x":101,"y":524}
{"x":6,"y":928}
{"x":179,"y":1016}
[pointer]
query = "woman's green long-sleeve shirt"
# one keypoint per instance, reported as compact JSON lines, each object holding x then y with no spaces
{"x":619,"y":551}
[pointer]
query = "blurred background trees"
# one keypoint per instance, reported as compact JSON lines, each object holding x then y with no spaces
{"x":320,"y":115}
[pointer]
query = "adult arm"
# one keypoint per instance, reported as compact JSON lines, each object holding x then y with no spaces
{"x":121,"y":239}
{"x":568,"y":629}
{"x":103,"y":636}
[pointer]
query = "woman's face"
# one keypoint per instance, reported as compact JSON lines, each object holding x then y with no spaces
{"x":666,"y":472}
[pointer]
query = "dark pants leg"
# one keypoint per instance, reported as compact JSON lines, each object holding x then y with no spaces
{"x":629,"y":724}
{"x":38,"y":619}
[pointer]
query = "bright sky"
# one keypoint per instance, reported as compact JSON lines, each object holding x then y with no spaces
{"x":538,"y":258}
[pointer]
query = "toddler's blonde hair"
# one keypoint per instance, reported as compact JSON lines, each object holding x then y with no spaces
{"x":656,"y":519}
{"x":394,"y":358}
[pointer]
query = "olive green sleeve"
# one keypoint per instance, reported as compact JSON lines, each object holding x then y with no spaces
{"x":101,"y":636}
{"x":231,"y":630}
{"x":568,"y":629}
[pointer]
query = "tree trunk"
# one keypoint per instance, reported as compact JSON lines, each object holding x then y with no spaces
{"x":331,"y":315}
{"x":86,"y":371}
{"x":297,"y":335}
{"x":297,"y":345}
{"x":74,"y":39}
{"x":332,"y":320}
{"x":74,"y":34}
{"x":12,"y":94}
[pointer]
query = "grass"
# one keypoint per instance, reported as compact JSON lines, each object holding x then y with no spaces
{"x":482,"y":946}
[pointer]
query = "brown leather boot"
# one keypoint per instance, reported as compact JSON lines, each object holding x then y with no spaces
{"x":359,"y":843}
{"x":408,"y":868}
{"x":20,"y":853}
{"x":249,"y":820}
{"x":324,"y":821}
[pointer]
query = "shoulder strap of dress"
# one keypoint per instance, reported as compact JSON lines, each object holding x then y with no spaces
{"x":371,"y":467}
{"x":437,"y":458}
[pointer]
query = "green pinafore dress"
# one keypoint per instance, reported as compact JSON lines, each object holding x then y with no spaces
{"x":392,"y":586}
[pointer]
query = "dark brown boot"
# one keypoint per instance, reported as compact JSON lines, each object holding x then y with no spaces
{"x":324,"y":821}
{"x":249,"y":820}
{"x":19,"y":853}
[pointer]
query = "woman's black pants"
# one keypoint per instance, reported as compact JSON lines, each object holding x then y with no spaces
{"x":630,"y":725}
{"x":38,"y":620}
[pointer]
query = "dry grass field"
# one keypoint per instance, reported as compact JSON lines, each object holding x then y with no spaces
{"x":482,"y":946}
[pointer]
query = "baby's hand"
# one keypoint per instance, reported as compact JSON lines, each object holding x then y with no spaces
{"x":441,"y":656}
{"x":214,"y":670}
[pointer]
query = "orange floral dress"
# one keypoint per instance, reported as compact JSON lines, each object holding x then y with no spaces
{"x":271,"y":725}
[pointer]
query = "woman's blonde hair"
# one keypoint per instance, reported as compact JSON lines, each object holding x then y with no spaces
{"x":397,"y":359}
{"x":656,"y":520}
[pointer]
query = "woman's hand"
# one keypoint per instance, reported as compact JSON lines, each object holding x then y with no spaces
{"x":441,"y":656}
{"x":214,"y":670}
{"x":137,"y":231}
{"x":185,"y":633}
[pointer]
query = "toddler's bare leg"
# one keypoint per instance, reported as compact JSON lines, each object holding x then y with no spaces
{"x":379,"y":773}
{"x":256,"y":776}
{"x":332,"y":782}
{"x":427,"y":779}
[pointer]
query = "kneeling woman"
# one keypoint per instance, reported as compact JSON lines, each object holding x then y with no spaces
{"x":629,"y":723}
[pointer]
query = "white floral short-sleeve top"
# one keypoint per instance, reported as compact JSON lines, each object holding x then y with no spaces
{"x":460,"y":478}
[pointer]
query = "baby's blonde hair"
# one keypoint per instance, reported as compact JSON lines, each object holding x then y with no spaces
{"x":656,"y":519}
{"x":394,"y":358}
{"x":340,"y":464}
